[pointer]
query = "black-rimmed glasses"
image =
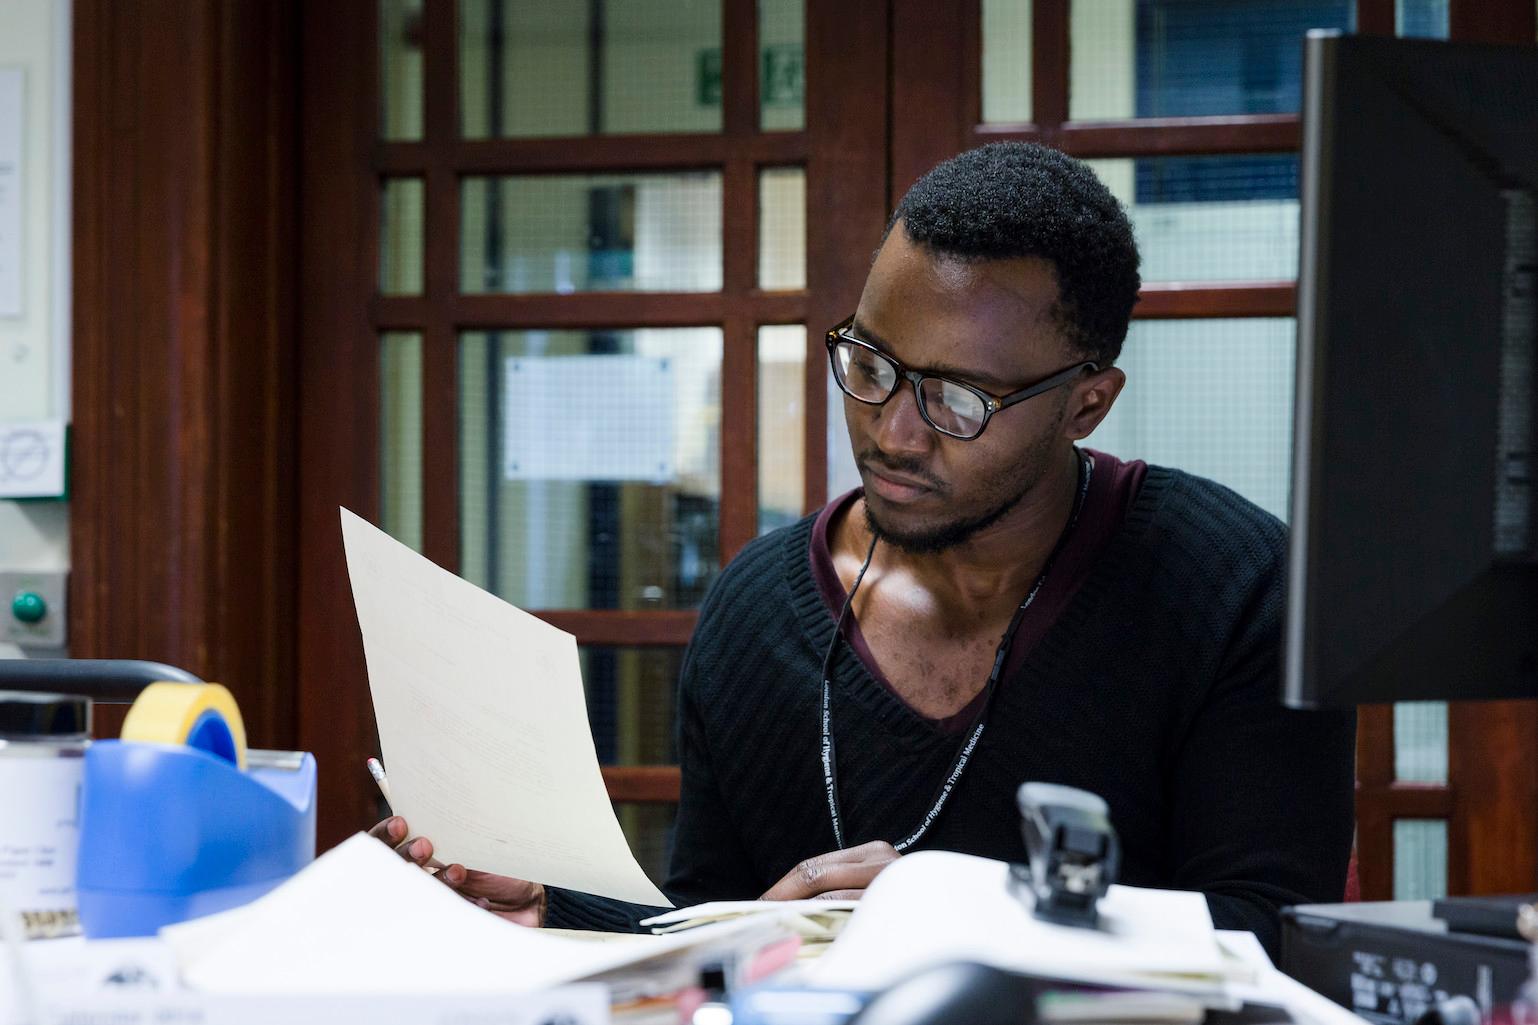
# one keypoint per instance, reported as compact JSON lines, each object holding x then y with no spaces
{"x":958,"y":410}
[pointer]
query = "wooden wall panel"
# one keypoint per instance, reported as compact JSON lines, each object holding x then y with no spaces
{"x":182,"y":518}
{"x":338,"y":399}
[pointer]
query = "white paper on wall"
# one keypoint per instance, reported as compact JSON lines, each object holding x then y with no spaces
{"x":590,"y":417}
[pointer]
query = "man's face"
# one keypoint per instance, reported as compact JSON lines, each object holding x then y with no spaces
{"x":987,"y":323}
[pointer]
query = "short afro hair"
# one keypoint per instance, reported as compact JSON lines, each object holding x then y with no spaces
{"x":1014,"y":199}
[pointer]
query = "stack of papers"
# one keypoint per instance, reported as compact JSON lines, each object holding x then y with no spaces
{"x":936,"y":906}
{"x":817,"y":922}
{"x":362,"y":920}
{"x":812,"y":918}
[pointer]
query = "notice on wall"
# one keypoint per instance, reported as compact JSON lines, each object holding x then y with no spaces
{"x":32,"y":459}
{"x":588,"y":418}
{"x":12,"y":103}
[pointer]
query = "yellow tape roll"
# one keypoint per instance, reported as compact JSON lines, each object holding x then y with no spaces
{"x":200,"y":715}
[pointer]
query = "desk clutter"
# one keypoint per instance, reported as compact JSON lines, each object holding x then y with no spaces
{"x":190,"y":871}
{"x":361,"y":931}
{"x":175,"y":819}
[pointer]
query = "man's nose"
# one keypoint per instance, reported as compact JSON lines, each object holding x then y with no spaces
{"x":899,"y":426}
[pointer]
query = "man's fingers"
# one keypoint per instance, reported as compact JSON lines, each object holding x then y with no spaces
{"x":850,"y":869}
{"x":500,"y":890}
{"x":821,"y":875}
{"x":453,"y":876}
{"x":391,"y":830}
{"x":418,"y":850}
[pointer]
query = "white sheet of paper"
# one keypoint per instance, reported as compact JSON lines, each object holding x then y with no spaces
{"x":936,"y":906}
{"x":360,"y":919}
{"x":737,"y":908}
{"x":483,"y":726}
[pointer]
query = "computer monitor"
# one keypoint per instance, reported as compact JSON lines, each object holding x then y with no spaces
{"x":1413,"y":569}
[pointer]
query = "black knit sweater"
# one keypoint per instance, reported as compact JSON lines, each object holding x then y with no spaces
{"x":1156,"y":688}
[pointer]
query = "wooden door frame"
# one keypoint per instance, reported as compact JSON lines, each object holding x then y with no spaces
{"x":844,"y":143}
{"x":182,"y":530}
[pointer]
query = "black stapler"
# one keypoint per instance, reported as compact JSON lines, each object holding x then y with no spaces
{"x":1073,"y":851}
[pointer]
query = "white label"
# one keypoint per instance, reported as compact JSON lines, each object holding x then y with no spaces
{"x":588,"y":418}
{"x":11,"y":107}
{"x":32,"y":459}
{"x":39,"y":847}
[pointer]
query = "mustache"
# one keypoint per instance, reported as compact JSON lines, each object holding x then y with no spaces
{"x":878,"y":460}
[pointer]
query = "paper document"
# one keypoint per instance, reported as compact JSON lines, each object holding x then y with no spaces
{"x":721,"y":909}
{"x":361,"y":919}
{"x":937,"y":906}
{"x":483,"y":726}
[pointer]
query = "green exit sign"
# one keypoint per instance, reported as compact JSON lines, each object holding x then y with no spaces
{"x":781,"y":78}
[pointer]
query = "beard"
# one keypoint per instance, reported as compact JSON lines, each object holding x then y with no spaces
{"x":1006,"y":492}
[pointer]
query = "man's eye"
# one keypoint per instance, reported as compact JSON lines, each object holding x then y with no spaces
{"x":866,"y":367}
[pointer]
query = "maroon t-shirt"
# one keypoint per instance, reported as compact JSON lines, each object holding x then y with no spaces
{"x":1113,"y":484}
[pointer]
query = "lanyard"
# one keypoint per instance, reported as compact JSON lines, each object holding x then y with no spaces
{"x":964,"y":754}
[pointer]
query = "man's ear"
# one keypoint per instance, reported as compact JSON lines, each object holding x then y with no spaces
{"x":1090,"y":401}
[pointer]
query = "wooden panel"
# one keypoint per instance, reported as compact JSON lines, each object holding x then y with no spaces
{"x":182,"y":519}
{"x":592,"y":154}
{"x":1492,"y":840}
{"x":1375,"y":17}
{"x":739,"y":70}
{"x":623,"y":629}
{"x":647,"y":784}
{"x":846,"y":187}
{"x":1051,"y":40}
{"x":440,"y":385}
{"x":739,"y":435}
{"x":588,"y":310}
{"x":738,"y":522}
{"x":1174,"y":300}
{"x":1374,"y":826}
{"x":339,"y":396}
{"x":930,"y":86}
{"x":1150,"y":137}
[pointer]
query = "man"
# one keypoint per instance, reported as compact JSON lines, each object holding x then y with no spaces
{"x":847,"y":695}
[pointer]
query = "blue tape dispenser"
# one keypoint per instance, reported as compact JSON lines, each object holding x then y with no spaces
{"x":179,"y":820}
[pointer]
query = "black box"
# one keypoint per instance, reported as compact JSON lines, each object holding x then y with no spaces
{"x":1390,"y":961}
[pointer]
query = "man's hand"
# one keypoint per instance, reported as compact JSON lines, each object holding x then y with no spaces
{"x":840,"y":875}
{"x":513,"y":899}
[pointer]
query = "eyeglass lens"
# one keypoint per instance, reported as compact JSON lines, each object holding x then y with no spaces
{"x":870,"y":377}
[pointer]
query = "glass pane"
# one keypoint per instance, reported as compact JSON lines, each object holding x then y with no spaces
{"x":1213,"y":397}
{"x":649,"y":828}
{"x":400,"y":237}
{"x":842,"y":474}
{"x":630,"y":700}
{"x":1102,"y":71}
{"x":1007,"y":60}
{"x":400,"y":69}
{"x":1420,"y":742}
{"x":1176,"y":58}
{"x":1227,"y":218}
{"x":781,"y":426}
{"x":782,"y":57}
{"x":782,"y":228}
{"x":574,"y":67}
{"x":1420,"y":859}
{"x":590,"y":466}
{"x":400,"y":436}
{"x":591,"y":233}
{"x":1425,"y":19}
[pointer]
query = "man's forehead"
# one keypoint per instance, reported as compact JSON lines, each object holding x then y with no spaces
{"x":979,"y":313}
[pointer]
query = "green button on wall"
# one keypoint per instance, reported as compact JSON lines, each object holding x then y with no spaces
{"x":29,"y":607}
